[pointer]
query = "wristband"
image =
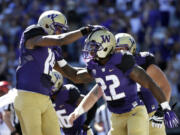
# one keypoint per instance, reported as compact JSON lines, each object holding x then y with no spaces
{"x":80,"y":110}
{"x":82,"y":71}
{"x":165,"y":105}
{"x":62,"y":63}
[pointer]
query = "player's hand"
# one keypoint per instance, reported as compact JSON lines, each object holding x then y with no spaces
{"x":73,"y":116}
{"x":90,"y":28}
{"x":158,"y":118}
{"x":164,"y":113}
{"x":170,"y":118}
{"x":96,"y":27}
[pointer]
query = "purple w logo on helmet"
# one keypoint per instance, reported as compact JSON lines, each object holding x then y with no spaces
{"x":52,"y":16}
{"x":105,"y":38}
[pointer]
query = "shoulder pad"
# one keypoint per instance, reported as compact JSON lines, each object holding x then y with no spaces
{"x":32,"y":31}
{"x":117,"y":58}
{"x":127,"y":63}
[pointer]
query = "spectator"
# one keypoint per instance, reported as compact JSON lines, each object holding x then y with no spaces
{"x":102,"y":120}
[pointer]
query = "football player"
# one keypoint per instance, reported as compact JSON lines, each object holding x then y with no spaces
{"x":39,"y":52}
{"x":146,"y":61}
{"x":102,"y":120}
{"x":65,"y":99}
{"x":117,"y":74}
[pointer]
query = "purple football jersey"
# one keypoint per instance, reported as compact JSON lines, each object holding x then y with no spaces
{"x":35,"y":66}
{"x":119,"y":90}
{"x":65,"y":103}
{"x":144,"y":59}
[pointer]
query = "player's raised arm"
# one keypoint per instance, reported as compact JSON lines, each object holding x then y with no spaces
{"x":52,"y":40}
{"x":48,"y":31}
{"x":88,"y":101}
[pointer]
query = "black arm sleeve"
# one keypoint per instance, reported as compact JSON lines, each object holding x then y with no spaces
{"x":74,"y":95}
{"x":126,"y":63}
{"x":32,"y":31}
{"x":91,"y":114}
{"x":149,"y":60}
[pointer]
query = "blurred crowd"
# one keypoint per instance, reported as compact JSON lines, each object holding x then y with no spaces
{"x":155,"y":25}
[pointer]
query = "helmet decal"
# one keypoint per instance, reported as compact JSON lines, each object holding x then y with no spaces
{"x":132,"y":43}
{"x":105,"y":38}
{"x":52,"y":16}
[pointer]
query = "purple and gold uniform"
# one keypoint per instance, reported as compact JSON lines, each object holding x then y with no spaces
{"x":32,"y":104}
{"x":145,"y":59}
{"x":65,"y":103}
{"x":35,"y":66}
{"x":129,"y":115}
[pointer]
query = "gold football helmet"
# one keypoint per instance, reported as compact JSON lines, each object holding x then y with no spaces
{"x":99,"y":44}
{"x":125,"y":41}
{"x":50,"y":20}
{"x":57,"y":80}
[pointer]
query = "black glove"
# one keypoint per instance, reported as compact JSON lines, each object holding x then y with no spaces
{"x":164,"y":113}
{"x":90,"y":28}
{"x":158,"y":118}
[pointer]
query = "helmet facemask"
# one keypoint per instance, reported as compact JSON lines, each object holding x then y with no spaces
{"x":55,"y":26}
{"x":90,"y":49}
